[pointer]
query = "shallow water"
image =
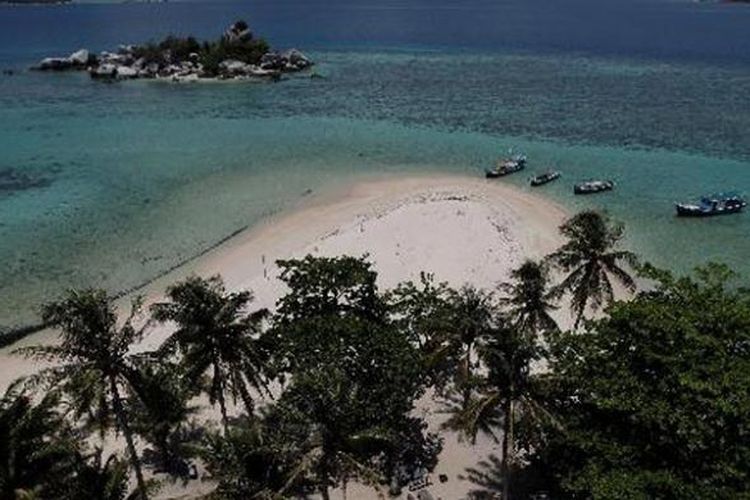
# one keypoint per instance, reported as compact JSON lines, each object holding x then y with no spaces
{"x":110,"y":185}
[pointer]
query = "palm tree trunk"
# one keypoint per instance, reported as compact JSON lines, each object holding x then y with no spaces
{"x":219,"y":380}
{"x":223,"y":408}
{"x":123,"y":423}
{"x":246,"y":399}
{"x":324,"y":492}
{"x":467,"y":377}
{"x":507,"y":446}
{"x":343,"y":489}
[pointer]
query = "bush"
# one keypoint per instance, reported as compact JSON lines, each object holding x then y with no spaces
{"x":176,"y":50}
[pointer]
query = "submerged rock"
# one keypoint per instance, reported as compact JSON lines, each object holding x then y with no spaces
{"x":12,"y":180}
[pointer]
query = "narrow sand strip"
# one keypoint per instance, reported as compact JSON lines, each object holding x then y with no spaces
{"x":464,"y":230}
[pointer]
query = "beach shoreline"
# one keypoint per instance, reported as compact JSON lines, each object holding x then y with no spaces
{"x":461,"y":229}
{"x":246,"y":259}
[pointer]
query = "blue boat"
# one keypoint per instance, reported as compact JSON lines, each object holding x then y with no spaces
{"x":718,"y":204}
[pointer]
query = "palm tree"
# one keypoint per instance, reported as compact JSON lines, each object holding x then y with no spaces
{"x":528,"y":300}
{"x":37,"y":447}
{"x":215,"y":334}
{"x":471,"y":316}
{"x":333,"y":444}
{"x":94,"y":366}
{"x":245,"y":463}
{"x":505,"y":394}
{"x":100,"y":479}
{"x":161,"y":416}
{"x":590,"y":258}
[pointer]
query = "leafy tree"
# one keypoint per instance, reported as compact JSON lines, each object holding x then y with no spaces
{"x":93,"y":364}
{"x":215,"y":335}
{"x":420,"y":309}
{"x":590,"y":257}
{"x":37,"y":447}
{"x":654,"y":399}
{"x":354,"y":377}
{"x":528,"y":299}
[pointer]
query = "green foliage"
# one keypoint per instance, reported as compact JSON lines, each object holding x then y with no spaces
{"x":217,"y":335}
{"x":327,"y":287}
{"x":94,"y":365}
{"x":175,"y":50}
{"x":37,"y":447}
{"x":250,"y":461}
{"x":590,"y":257}
{"x":654,"y":399}
{"x":650,"y":401}
{"x":354,"y":376}
{"x":161,"y":415}
{"x":101,"y":479}
{"x":528,"y":300}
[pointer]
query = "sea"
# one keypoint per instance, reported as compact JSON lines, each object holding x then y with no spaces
{"x":110,"y":185}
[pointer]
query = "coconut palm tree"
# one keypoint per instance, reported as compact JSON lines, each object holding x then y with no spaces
{"x":37,"y":447}
{"x":335,"y":441}
{"x":590,"y":258}
{"x":217,"y":336}
{"x":471,"y":315}
{"x":162,"y":417}
{"x":528,"y":299}
{"x":102,"y":479}
{"x":506,"y":394}
{"x":92,"y":363}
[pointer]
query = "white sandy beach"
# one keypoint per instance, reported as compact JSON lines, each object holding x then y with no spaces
{"x":464,"y":230}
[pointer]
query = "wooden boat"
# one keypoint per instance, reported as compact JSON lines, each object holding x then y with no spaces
{"x":720,"y":204}
{"x":591,"y":187}
{"x":507,"y":166}
{"x":545,"y":178}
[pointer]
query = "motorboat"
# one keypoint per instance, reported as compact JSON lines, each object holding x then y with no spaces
{"x":506,"y":166}
{"x":591,"y":187}
{"x":545,"y":178}
{"x":719,"y":204}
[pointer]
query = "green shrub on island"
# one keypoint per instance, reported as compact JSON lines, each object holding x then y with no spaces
{"x":236,"y":54}
{"x":176,"y":50}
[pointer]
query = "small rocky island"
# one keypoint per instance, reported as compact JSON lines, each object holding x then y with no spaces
{"x":237,"y":55}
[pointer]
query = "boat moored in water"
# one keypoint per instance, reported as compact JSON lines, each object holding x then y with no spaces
{"x":546,"y":177}
{"x":507,"y":166}
{"x":719,"y":204}
{"x":591,"y":187}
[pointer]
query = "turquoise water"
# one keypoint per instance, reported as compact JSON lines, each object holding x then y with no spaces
{"x":110,"y":185}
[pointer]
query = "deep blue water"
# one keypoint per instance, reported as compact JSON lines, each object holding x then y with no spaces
{"x":660,"y":29}
{"x":112,"y":184}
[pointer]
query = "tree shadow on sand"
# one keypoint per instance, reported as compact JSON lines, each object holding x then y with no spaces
{"x":527,"y":481}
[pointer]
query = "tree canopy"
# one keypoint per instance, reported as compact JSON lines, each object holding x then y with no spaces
{"x":654,"y":399}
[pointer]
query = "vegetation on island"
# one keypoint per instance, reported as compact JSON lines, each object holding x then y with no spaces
{"x":237,"y":54}
{"x":238,"y":44}
{"x":645,"y":398}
